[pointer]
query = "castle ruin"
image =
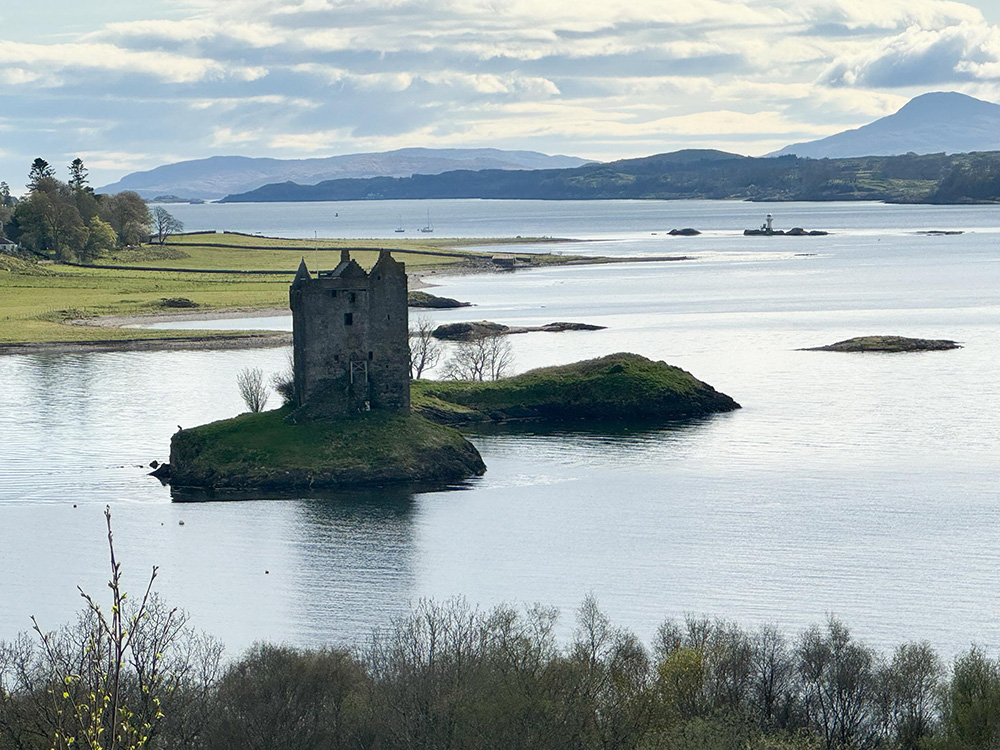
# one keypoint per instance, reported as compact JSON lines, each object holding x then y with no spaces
{"x":351,"y":337}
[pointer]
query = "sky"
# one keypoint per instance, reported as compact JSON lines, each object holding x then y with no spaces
{"x":129,"y":85}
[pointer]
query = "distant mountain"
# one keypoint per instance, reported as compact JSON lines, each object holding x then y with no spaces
{"x":221,"y":175}
{"x":908,"y":178}
{"x":935,"y":123}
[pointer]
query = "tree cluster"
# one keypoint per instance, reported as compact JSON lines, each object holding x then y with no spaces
{"x":69,"y":221}
{"x":484,"y":357}
{"x":450,"y":676}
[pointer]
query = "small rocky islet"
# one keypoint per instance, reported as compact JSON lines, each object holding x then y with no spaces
{"x":469,"y":331}
{"x":889,"y":344}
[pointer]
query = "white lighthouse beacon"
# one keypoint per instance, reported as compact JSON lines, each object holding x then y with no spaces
{"x":768,"y":226}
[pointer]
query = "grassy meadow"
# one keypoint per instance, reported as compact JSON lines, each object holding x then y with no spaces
{"x":37,"y":300}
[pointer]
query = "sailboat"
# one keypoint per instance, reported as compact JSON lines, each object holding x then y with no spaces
{"x":400,"y":227}
{"x":428,"y":227}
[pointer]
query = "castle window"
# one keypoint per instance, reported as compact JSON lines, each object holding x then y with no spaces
{"x":388,"y":317}
{"x":371,"y":355}
{"x":333,"y":293}
{"x":354,"y":297}
{"x":348,"y":319}
{"x":336,"y":357}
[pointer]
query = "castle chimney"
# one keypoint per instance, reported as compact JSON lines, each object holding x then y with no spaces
{"x":345,"y":255}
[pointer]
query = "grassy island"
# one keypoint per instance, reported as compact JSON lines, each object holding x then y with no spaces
{"x":618,"y":386}
{"x":280,"y":451}
{"x":268,"y":451}
{"x":887,"y":344}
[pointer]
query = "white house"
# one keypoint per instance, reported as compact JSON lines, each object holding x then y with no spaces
{"x":7,"y":246}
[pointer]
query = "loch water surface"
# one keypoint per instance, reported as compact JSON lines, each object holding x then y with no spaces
{"x":864,"y":485}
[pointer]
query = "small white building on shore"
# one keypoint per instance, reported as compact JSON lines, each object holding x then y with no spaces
{"x":7,"y":246}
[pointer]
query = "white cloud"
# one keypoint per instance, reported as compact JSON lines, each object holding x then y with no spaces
{"x":116,"y":160}
{"x":482,"y":83}
{"x":229,"y":137}
{"x":312,"y":143}
{"x":258,"y":35}
{"x":922,"y":57}
{"x":15,"y":76}
{"x":887,"y":14}
{"x":228,"y":104}
{"x":162,"y":65}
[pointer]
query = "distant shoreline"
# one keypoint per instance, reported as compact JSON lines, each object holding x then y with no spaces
{"x":250,"y":339}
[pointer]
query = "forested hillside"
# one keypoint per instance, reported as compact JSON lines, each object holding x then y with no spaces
{"x":911,"y":178}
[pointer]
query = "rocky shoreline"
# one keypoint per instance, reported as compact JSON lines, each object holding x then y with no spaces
{"x":253,"y":340}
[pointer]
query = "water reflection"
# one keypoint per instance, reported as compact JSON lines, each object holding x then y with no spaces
{"x":593,"y":443}
{"x":355,"y":562}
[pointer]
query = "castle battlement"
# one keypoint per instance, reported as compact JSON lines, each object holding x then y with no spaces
{"x":351,"y":337}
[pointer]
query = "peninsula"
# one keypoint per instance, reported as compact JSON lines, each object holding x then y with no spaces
{"x":52,"y":306}
{"x":620,"y":386}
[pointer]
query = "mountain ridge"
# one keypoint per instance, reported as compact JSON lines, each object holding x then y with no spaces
{"x":218,"y":176}
{"x":937,"y":122}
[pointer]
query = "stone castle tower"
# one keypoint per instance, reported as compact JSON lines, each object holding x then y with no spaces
{"x":351,"y":337}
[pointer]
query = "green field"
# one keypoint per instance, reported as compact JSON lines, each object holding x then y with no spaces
{"x":38,"y":299}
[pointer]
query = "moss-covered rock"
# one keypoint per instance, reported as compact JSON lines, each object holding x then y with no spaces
{"x":886,"y":344}
{"x":618,"y":386}
{"x":267,"y":451}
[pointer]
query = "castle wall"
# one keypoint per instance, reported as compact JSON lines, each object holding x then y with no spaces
{"x":351,"y":337}
{"x":389,"y":335}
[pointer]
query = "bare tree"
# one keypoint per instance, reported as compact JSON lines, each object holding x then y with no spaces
{"x":284,"y":382}
{"x":253,"y":389}
{"x":164,"y":224}
{"x":839,"y":685}
{"x":425,"y":351}
{"x":487,"y":357}
{"x":129,"y":676}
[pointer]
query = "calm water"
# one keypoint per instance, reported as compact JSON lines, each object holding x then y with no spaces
{"x":865,"y":485}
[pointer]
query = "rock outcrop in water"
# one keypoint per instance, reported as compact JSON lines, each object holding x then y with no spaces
{"x":475,"y":330}
{"x":886,"y":344}
{"x":793,"y":232}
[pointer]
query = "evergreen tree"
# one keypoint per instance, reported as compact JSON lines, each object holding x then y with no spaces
{"x":78,"y":175}
{"x":40,"y":170}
